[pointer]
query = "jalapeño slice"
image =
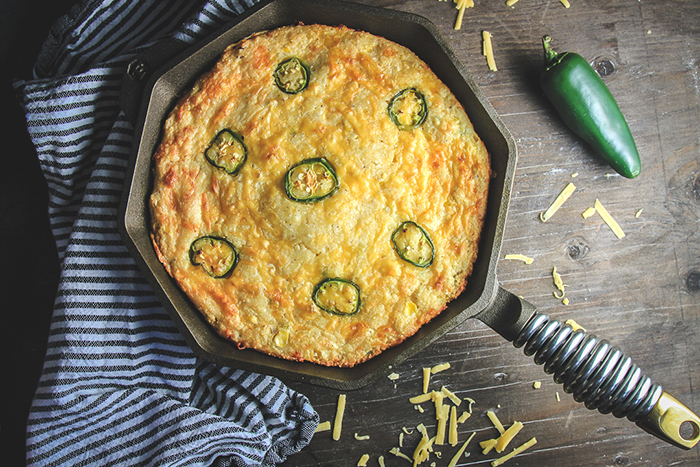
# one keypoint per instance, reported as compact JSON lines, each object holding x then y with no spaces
{"x":227,"y":151}
{"x":216,"y":255}
{"x":337,"y":296}
{"x":292,"y":76}
{"x":413,"y":244}
{"x":408,"y":109}
{"x":311,"y":180}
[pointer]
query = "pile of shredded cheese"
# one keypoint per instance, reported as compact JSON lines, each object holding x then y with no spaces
{"x":450,"y":411}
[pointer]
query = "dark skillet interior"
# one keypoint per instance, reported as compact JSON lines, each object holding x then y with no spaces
{"x":159,"y":95}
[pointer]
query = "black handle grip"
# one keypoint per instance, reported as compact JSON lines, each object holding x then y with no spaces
{"x":602,"y":377}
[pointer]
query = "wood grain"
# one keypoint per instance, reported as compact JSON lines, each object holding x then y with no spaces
{"x":640,"y":292}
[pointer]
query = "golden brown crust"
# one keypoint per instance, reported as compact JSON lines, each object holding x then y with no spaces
{"x":436,"y":175}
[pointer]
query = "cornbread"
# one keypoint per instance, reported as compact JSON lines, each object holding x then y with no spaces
{"x":319,"y":194}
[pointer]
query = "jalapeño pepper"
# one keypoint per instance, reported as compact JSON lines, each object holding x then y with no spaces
{"x":589,"y":109}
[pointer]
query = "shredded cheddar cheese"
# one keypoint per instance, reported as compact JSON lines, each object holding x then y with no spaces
{"x":558,"y":283}
{"x":588,"y":213}
{"x":574,"y":325}
{"x":507,"y":436}
{"x":451,"y":396}
{"x":511,"y":2}
{"x":428,"y":396}
{"x":324,"y":426}
{"x":397,"y":452}
{"x":363,"y":460}
{"x":471,"y":401}
{"x":459,"y":453}
{"x":559,"y":200}
{"x":614,"y":226}
{"x":393,"y":376}
{"x":496,"y":422}
{"x":519,"y":257}
{"x":565,"y":3}
{"x":487,"y":445}
{"x":437,"y":399}
{"x":514,"y":452}
{"x":361,"y":437}
{"x":537,"y":384}
{"x":488,"y":50}
{"x":440,"y":367}
{"x":338,"y":422}
{"x":381,"y":461}
{"x":463,"y":418}
{"x":638,"y":213}
{"x":453,"y":436}
{"x":426,"y":379}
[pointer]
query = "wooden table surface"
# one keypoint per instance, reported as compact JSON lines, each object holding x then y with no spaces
{"x":641,"y":292}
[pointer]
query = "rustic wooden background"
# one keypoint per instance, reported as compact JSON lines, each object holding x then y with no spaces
{"x":641,"y":292}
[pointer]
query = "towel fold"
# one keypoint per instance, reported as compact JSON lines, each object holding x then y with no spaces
{"x":119,"y":384}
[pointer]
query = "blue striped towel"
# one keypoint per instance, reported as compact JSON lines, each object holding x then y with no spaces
{"x":119,"y":385}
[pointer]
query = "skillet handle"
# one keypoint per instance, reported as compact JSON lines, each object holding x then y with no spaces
{"x":140,"y":69}
{"x":596,"y":373}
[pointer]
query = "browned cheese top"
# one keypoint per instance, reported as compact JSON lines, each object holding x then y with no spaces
{"x":435,"y":175}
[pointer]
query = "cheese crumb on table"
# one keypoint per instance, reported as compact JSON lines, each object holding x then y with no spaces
{"x":363,"y":460}
{"x":588,"y":213}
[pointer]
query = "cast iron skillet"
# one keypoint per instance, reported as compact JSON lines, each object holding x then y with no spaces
{"x":591,"y":369}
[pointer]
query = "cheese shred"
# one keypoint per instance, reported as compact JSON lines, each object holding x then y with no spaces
{"x":519,"y":257}
{"x":324,"y":426}
{"x":614,"y":226}
{"x":563,"y":196}
{"x":419,"y":399}
{"x":459,"y":453}
{"x":565,"y":3}
{"x":558,"y":283}
{"x":514,"y":452}
{"x":398,"y":453}
{"x":453,"y":436}
{"x":440,"y":367}
{"x":496,"y":422}
{"x":588,"y":213}
{"x":574,"y":325}
{"x":507,"y":436}
{"x":338,"y":422}
{"x":488,"y":50}
{"x":451,"y":396}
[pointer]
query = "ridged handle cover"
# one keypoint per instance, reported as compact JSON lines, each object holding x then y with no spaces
{"x":602,"y":377}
